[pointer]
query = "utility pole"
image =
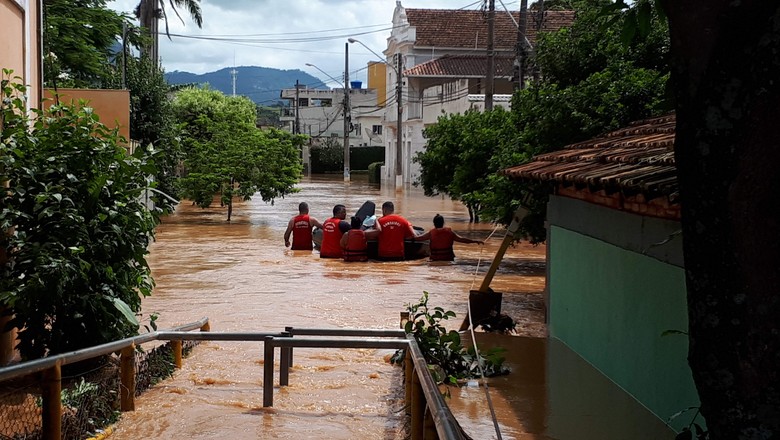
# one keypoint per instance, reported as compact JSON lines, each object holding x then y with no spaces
{"x":297,"y":128}
{"x":346,"y":112}
{"x":539,"y":23}
{"x":522,"y":50}
{"x":399,"y":178}
{"x":491,"y":57}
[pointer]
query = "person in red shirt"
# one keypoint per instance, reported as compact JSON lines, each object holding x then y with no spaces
{"x":442,"y":240}
{"x":392,"y":229}
{"x":332,"y":230}
{"x":300,"y":227}
{"x":354,"y":242}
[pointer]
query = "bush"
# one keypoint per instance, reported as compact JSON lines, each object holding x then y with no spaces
{"x":375,"y":172}
{"x":74,"y":226}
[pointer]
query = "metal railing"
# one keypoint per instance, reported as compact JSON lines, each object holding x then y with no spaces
{"x":430,"y":416}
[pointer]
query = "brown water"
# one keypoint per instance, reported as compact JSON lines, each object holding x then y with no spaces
{"x":241,"y":276}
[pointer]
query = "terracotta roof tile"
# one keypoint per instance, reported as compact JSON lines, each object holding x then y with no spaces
{"x":638,"y":159}
{"x":461,"y":66}
{"x":467,"y":29}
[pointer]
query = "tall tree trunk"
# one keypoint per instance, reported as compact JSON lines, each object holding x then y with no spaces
{"x":148,"y":19}
{"x":726,"y":75}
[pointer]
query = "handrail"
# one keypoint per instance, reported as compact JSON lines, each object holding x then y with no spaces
{"x":446,"y":425}
{"x":38,"y":365}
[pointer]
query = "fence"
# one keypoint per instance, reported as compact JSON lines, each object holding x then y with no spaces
{"x":49,"y":415}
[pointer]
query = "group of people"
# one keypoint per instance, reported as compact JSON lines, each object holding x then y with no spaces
{"x":349,"y":240}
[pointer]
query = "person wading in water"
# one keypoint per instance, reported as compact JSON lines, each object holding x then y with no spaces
{"x":300,"y":227}
{"x":354,"y":242}
{"x":332,"y":230}
{"x":392,"y":229}
{"x":442,"y":240}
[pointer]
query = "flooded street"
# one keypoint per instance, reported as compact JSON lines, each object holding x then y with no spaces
{"x":240,"y":276}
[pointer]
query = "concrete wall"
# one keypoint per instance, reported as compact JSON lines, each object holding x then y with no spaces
{"x":615,"y":284}
{"x":112,"y":106}
{"x":20,"y":44}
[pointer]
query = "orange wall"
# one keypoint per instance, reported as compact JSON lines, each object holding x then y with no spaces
{"x":112,"y":106}
{"x":19,"y":44}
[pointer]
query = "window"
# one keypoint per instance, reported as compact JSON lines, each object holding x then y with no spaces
{"x":376,"y":129}
{"x":303,"y":102}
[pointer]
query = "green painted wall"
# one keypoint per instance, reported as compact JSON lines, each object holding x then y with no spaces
{"x":611,"y":305}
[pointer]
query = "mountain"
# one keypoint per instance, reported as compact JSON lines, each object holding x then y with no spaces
{"x":260,"y":84}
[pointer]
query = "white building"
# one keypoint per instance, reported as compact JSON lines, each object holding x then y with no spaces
{"x":319,"y":113}
{"x":441,"y":54}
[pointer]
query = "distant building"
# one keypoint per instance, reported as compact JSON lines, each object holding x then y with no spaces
{"x":443,"y":63}
{"x":320,"y":114}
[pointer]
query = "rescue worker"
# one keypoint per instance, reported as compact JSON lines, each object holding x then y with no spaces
{"x":442,"y":240}
{"x":392,"y":229}
{"x":332,"y":230}
{"x":354,"y":242}
{"x":300,"y":227}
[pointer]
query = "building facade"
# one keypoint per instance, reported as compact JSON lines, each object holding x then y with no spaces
{"x":437,"y":62}
{"x":616,"y":290}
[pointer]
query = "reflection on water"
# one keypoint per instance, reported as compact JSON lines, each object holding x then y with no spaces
{"x":241,"y":276}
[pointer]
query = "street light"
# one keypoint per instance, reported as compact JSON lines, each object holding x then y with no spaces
{"x":326,"y":74}
{"x":346,"y":107}
{"x":398,"y":92}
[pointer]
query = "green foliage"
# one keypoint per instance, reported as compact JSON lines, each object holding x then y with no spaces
{"x":226,"y":155}
{"x":374,"y":172}
{"x":78,"y":38}
{"x":152,"y":123}
{"x":360,"y":158}
{"x":75,"y":229}
{"x":327,"y":158}
{"x":591,"y":83}
{"x":443,"y":348}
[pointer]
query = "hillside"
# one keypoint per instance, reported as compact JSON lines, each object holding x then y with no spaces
{"x":260,"y":84}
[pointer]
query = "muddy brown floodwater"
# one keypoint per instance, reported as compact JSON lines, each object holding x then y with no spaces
{"x":240,"y":276}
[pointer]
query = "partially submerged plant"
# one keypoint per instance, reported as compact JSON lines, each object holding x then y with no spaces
{"x":448,"y":360}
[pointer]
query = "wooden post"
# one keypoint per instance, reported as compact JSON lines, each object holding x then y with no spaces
{"x":429,"y":426}
{"x":127,"y":372}
{"x":176,"y":346}
{"x":418,"y":408}
{"x":408,"y":373}
{"x":51,"y":412}
{"x":268,"y":372}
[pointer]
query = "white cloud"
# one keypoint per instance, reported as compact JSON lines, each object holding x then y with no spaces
{"x":269,"y":28}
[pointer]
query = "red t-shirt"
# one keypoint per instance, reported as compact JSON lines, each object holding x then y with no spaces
{"x":441,"y":244}
{"x":391,"y":239}
{"x":301,"y":233}
{"x":331,"y":239}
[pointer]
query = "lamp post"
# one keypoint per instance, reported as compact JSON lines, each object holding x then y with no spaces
{"x":346,"y":107}
{"x":399,"y":179}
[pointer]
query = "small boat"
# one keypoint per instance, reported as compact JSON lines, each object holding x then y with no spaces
{"x":413,"y":250}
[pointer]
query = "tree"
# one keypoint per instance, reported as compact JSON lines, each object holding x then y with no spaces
{"x":74,"y":226}
{"x":226,"y":154}
{"x":724,"y":71}
{"x":456,"y":159}
{"x":78,"y":39}
{"x":152,"y":124}
{"x":149,"y":13}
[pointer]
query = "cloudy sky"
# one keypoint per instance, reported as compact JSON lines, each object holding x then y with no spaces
{"x":286,"y":34}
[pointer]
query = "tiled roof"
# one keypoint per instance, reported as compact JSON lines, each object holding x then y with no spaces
{"x":467,"y":29}
{"x":638,"y":159}
{"x":461,"y":66}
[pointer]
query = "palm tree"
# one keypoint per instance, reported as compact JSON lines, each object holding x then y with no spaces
{"x":149,"y":12}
